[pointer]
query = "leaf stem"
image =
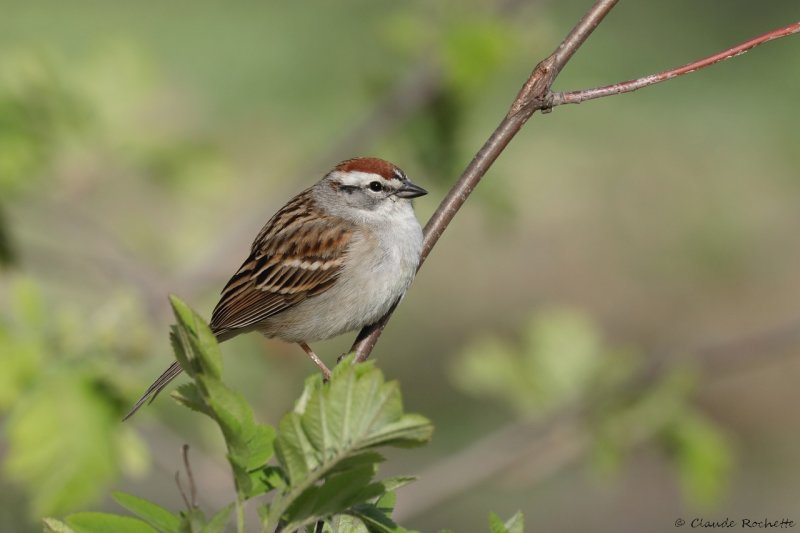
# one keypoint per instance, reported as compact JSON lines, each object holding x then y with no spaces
{"x":239,"y":514}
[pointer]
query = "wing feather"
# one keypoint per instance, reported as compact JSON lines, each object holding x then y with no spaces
{"x":296,"y":255}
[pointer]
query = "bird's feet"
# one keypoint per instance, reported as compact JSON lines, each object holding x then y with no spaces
{"x":326,"y":372}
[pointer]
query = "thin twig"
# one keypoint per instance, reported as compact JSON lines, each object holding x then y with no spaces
{"x":180,"y":489}
{"x":190,"y":503}
{"x":188,"y":467}
{"x":576,"y":97}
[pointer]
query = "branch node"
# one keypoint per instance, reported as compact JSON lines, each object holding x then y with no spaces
{"x":535,"y":89}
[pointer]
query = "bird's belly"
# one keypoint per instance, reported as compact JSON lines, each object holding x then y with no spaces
{"x":362,"y":294}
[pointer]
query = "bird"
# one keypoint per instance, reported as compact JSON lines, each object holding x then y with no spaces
{"x":335,"y":258}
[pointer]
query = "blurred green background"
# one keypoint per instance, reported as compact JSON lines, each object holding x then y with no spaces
{"x":605,"y":338}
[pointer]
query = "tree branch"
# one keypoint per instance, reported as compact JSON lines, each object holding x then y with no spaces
{"x":576,"y":97}
{"x":536,"y":95}
{"x":528,"y":100}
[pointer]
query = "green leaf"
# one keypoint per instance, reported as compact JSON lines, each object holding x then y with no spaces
{"x":337,"y":493}
{"x":192,"y":520}
{"x":358,"y":460}
{"x":218,"y":521}
{"x":703,"y":457}
{"x":331,"y":439}
{"x":107,"y":523}
{"x":559,"y":356}
{"x":355,"y":412}
{"x":51,"y":525}
{"x":375,"y":518}
{"x":182,"y":349}
{"x":62,"y":442}
{"x":250,"y":445}
{"x":343,"y":523}
{"x":273,"y":477}
{"x":195,"y":334}
{"x":513,"y":525}
{"x":155,"y":515}
{"x":393,"y":483}
{"x":496,"y":525}
{"x":516,"y":524}
{"x":188,"y":395}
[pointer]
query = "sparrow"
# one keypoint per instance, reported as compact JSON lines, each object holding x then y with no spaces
{"x":335,"y":258}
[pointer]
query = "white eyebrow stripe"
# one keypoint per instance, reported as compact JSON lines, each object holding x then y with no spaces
{"x":357,"y":178}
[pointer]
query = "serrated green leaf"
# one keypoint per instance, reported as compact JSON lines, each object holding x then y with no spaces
{"x":188,"y":395}
{"x":155,"y":515}
{"x":337,"y":493}
{"x":107,"y":523}
{"x":250,"y":445}
{"x":332,"y":437}
{"x":199,"y":338}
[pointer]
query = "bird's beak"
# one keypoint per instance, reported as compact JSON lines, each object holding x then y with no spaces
{"x":409,"y":190}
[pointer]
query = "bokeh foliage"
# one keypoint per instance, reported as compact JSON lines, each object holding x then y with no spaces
{"x":62,"y":401}
{"x":132,"y":145}
{"x":324,"y":450}
{"x":562,"y":362}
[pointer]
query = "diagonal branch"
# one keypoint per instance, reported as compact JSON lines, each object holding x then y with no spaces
{"x":536,"y":95}
{"x":528,"y":100}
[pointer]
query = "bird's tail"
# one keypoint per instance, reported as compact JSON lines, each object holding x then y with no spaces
{"x":157,"y":386}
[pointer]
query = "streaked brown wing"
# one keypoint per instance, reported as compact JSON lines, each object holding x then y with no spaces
{"x":297,"y":254}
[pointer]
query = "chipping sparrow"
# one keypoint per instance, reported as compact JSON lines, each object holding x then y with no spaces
{"x":335,"y":258}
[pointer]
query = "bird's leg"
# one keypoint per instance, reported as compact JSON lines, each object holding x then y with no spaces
{"x":317,"y":361}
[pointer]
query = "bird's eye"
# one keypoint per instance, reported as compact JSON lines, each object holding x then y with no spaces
{"x":375,"y":186}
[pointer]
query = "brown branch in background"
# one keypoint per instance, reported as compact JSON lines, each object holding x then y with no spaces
{"x":535,"y":95}
{"x":190,"y":503}
{"x":576,"y":97}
